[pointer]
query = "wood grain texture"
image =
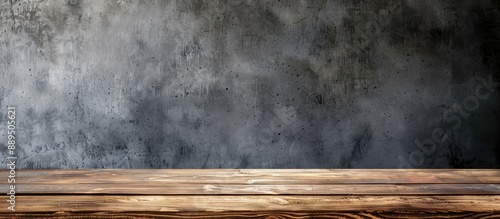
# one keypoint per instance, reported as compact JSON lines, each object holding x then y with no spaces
{"x":262,"y":193}
{"x":256,"y":215}
{"x":218,"y":203}
{"x":257,"y":176}
{"x":222,"y":189}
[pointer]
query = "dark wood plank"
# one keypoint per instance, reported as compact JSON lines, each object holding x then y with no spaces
{"x":273,"y":215}
{"x":262,"y":203}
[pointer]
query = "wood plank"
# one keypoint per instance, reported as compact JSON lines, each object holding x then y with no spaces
{"x":223,"y":189}
{"x":262,"y":203}
{"x":255,"y":176}
{"x":273,"y":215}
{"x":290,"y":193}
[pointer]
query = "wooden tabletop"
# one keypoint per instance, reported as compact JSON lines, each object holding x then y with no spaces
{"x":254,"y":193}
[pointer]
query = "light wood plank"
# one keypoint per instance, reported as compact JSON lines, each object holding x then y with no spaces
{"x":223,"y":189}
{"x":255,"y":176}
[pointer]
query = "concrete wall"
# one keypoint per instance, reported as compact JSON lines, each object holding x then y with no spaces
{"x":251,"y":84}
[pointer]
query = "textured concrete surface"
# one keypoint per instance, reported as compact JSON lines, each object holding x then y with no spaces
{"x":251,"y":84}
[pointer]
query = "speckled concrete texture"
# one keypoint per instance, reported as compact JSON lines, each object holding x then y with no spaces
{"x":251,"y":84}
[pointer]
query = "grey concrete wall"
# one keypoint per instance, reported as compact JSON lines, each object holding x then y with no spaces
{"x":251,"y":84}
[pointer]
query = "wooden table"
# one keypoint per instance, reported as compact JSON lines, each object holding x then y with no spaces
{"x":254,"y":193}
